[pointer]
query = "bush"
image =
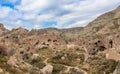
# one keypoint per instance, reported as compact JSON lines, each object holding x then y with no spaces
{"x":70,"y":59}
{"x":37,"y":63}
{"x":3,"y":59}
{"x":34,"y":71}
{"x":14,"y":71}
{"x":75,"y":71}
{"x":57,"y":68}
{"x":101,"y":65}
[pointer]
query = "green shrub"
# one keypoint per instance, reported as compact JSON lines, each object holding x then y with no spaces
{"x":14,"y":71}
{"x":38,"y":63}
{"x":57,"y":68}
{"x":101,"y":65}
{"x":75,"y":71}
{"x":70,"y":59}
{"x":3,"y":59}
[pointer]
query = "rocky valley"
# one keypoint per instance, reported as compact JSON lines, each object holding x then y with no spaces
{"x":94,"y":49}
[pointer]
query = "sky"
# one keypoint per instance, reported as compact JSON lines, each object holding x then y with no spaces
{"x":36,"y":14}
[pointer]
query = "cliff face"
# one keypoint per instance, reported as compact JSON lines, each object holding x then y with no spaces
{"x":105,"y":28}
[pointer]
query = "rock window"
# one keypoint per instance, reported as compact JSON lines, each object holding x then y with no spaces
{"x":111,"y":43}
{"x":21,"y":52}
{"x":49,"y":40}
{"x":54,"y":40}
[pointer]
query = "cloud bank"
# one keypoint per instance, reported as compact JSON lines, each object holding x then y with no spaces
{"x":52,"y":13}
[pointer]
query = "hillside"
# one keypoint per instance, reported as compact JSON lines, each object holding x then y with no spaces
{"x":104,"y":24}
{"x":94,"y":49}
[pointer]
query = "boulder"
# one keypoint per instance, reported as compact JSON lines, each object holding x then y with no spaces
{"x":1,"y":71}
{"x":12,"y":61}
{"x":47,"y":69}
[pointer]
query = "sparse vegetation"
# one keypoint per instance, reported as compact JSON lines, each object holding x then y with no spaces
{"x":75,"y":71}
{"x":101,"y":65}
{"x":57,"y":68}
{"x":68,"y":58}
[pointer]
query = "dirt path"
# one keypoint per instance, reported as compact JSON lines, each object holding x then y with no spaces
{"x":69,"y":67}
{"x":45,"y":61}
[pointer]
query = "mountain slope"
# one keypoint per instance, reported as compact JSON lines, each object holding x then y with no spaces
{"x":104,"y":24}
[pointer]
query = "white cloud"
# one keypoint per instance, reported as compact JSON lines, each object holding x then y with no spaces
{"x":35,"y":6}
{"x":36,"y":26}
{"x":78,"y":24}
{"x":13,"y":1}
{"x":87,"y":8}
{"x":4,"y":12}
{"x":72,"y":13}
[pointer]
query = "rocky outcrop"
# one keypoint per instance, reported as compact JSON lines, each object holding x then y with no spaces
{"x":3,"y":50}
{"x":12,"y":61}
{"x":1,"y":71}
{"x":113,"y":54}
{"x":117,"y":70}
{"x":3,"y":30}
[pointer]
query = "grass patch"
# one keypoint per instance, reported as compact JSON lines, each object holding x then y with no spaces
{"x":57,"y":68}
{"x":70,"y":59}
{"x":101,"y":65}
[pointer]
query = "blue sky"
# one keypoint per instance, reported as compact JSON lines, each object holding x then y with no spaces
{"x":35,"y":14}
